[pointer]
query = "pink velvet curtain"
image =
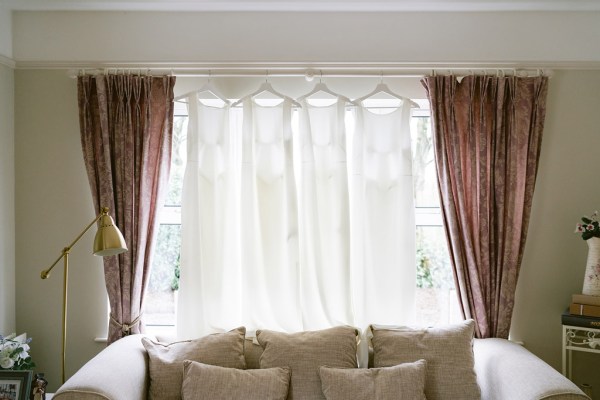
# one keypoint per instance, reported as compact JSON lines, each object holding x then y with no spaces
{"x":487,"y":138}
{"x":126,"y":130}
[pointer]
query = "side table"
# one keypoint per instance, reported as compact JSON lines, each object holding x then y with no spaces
{"x":577,"y":338}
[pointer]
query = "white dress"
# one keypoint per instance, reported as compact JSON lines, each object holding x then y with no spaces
{"x":208,"y":255}
{"x":382,"y":218}
{"x":269,"y":222}
{"x":324,"y":217}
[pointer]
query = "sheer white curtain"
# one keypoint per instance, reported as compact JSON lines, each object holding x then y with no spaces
{"x":296,"y":232}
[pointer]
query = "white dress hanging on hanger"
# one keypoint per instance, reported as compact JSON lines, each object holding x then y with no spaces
{"x":209,"y":253}
{"x":382,"y":218}
{"x":269,"y":220}
{"x":324,"y":216}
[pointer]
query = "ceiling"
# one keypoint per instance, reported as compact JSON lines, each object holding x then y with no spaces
{"x":303,"y":5}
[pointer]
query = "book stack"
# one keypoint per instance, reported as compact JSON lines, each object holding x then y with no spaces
{"x":584,"y":311}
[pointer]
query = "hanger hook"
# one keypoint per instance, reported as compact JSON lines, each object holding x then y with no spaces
{"x":267,"y":77}
{"x":208,"y":81}
{"x":321,"y":77}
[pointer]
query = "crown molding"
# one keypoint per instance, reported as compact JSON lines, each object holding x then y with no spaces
{"x":8,"y":62}
{"x":305,"y":5}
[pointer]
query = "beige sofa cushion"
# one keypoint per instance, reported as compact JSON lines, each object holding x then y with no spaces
{"x":448,"y":351}
{"x":209,"y":382}
{"x":166,"y":360}
{"x":400,"y":382}
{"x":305,"y":352}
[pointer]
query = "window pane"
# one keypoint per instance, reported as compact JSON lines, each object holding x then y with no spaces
{"x":178,"y":159}
{"x":436,"y":297}
{"x":160,"y":299}
{"x":425,"y":176}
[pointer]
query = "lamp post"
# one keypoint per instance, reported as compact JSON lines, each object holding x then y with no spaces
{"x":108,"y":242}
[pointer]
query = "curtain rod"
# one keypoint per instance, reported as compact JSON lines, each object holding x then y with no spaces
{"x":315,"y":73}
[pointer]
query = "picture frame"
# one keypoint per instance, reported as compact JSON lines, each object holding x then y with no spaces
{"x":15,"y":385}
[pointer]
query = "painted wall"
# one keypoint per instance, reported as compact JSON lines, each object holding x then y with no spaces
{"x":567,"y":188}
{"x":5,"y":31}
{"x":54,"y":204}
{"x":7,"y":202}
{"x":56,"y":37}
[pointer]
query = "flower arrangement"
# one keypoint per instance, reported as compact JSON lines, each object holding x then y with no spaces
{"x":590,"y":227}
{"x":14,"y":353}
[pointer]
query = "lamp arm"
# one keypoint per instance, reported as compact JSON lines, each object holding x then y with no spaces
{"x":46,"y":273}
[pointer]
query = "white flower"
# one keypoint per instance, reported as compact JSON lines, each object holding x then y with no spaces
{"x":7,"y":363}
{"x":14,"y":353}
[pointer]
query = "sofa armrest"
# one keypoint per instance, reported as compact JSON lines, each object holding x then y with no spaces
{"x":119,"y":372}
{"x":508,"y":371}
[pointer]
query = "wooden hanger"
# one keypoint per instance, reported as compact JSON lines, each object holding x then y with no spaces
{"x":266,"y":87}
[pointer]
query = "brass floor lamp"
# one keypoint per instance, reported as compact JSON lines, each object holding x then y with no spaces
{"x":108,"y":242}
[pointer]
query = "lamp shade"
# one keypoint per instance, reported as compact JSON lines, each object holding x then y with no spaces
{"x":109,"y":241}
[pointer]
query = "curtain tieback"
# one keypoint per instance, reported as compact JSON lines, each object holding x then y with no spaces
{"x":126,"y":327}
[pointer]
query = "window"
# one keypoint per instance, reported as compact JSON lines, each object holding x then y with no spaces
{"x":435,"y":296}
{"x":161,"y":301}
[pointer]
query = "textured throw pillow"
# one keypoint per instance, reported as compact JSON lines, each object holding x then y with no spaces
{"x":166,"y":361}
{"x":401,"y":382}
{"x":448,"y":351}
{"x":208,"y":382}
{"x":305,"y":352}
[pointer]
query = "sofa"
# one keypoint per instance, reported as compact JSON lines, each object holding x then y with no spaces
{"x":403,"y":363}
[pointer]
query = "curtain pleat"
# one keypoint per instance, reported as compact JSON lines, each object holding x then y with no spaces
{"x":126,"y":130}
{"x":487,"y":139}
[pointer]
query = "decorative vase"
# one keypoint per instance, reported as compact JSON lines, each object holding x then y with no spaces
{"x":591,"y":280}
